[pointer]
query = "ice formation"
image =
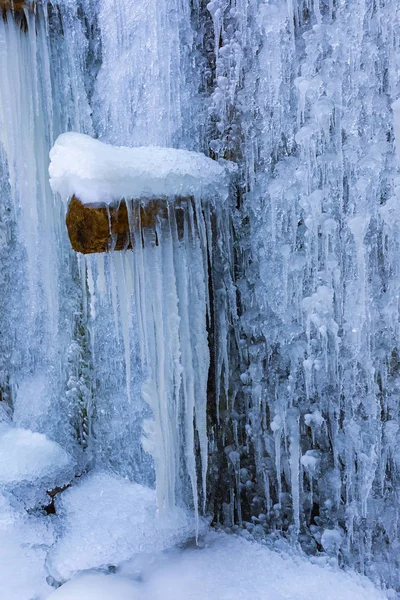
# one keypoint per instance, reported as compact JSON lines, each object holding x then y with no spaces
{"x":100,"y":173}
{"x":291,"y":290}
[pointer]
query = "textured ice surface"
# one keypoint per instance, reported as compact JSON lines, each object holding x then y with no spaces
{"x":228,"y":568}
{"x":31,"y":464}
{"x":98,"y":172}
{"x":24,"y":542}
{"x":107,"y":520}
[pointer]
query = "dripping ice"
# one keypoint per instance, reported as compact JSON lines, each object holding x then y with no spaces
{"x":305,"y":277}
{"x":160,"y":288}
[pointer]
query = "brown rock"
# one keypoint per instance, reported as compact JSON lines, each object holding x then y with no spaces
{"x":101,"y":228}
{"x":15,"y":5}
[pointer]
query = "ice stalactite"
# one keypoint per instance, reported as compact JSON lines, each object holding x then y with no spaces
{"x":300,"y":413}
{"x":316,"y":265}
{"x":35,"y":255}
{"x":161,"y":303}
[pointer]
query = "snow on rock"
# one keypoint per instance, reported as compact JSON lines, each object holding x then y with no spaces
{"x":106,"y":520}
{"x":31,"y":464}
{"x":97,"y":586}
{"x":331,"y":540}
{"x":227,"y":568}
{"x":100,"y":173}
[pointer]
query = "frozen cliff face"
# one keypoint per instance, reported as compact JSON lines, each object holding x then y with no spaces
{"x":317,"y":232}
{"x":300,"y":416}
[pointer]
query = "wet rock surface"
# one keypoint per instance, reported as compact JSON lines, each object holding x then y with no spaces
{"x":101,"y":228}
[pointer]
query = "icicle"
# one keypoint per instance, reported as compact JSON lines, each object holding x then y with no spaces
{"x":294,"y":461}
{"x":101,"y":278}
{"x":125,"y":314}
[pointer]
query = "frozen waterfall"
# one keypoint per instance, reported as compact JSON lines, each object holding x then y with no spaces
{"x":249,"y":369}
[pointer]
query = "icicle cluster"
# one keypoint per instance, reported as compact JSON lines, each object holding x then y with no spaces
{"x":317,"y":231}
{"x":302,"y":405}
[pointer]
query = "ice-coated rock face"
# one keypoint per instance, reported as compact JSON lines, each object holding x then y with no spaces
{"x":297,"y":280}
{"x":15,"y":5}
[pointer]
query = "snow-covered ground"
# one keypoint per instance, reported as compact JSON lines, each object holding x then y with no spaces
{"x":226,"y":568}
{"x":106,"y":520}
{"x":106,"y":542}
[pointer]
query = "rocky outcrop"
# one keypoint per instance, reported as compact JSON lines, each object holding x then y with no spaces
{"x":15,"y":5}
{"x":101,"y":228}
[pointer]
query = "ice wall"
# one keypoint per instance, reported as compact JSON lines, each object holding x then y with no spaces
{"x":303,"y":394}
{"x":312,"y":85}
{"x":39,"y":296}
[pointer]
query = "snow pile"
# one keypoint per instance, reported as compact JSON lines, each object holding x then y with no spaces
{"x":107,"y":520}
{"x":234,"y":568}
{"x":229,"y":568}
{"x":31,"y":464}
{"x":24,"y":542}
{"x":97,"y":586}
{"x":96,"y":172}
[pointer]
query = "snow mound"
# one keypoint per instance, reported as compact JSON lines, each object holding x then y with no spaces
{"x":31,"y":464}
{"x":24,"y":541}
{"x":96,"y":586}
{"x":100,"y":173}
{"x":107,"y":520}
{"x":227,"y":568}
{"x":232,"y":568}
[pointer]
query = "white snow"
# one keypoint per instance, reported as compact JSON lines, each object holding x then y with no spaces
{"x":100,"y":173}
{"x":107,"y":520}
{"x":97,"y":586}
{"x":31,"y":463}
{"x":227,"y":568}
{"x":24,"y":542}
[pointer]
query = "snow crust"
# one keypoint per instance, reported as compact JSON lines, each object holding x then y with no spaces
{"x":100,"y":173}
{"x":106,"y":520}
{"x":229,"y":568}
